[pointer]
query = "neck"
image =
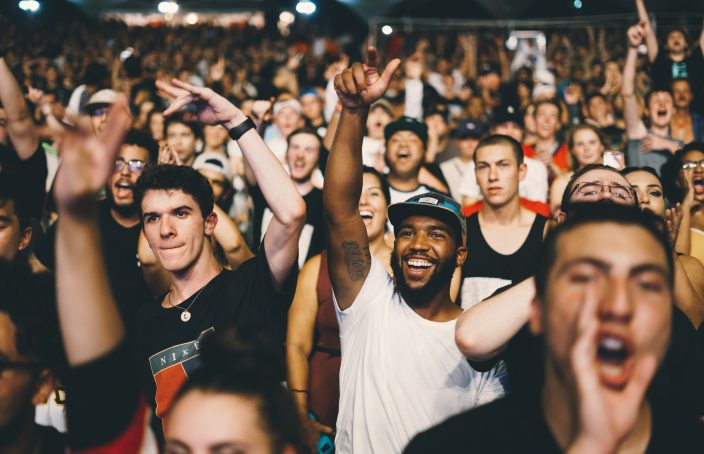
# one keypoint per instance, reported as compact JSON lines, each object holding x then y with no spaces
{"x":186,"y":283}
{"x":403,"y":183}
{"x":220,"y":149}
{"x":465,"y":159}
{"x":662,"y":131}
{"x":546,"y":142}
{"x":561,"y":413}
{"x":26,"y":439}
{"x":507,"y":214}
{"x":677,"y":56}
{"x":440,"y":308}
{"x":124,"y":219}
{"x":303,"y":186}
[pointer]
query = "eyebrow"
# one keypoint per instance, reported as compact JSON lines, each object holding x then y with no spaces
{"x":605,"y":267}
{"x":5,"y":219}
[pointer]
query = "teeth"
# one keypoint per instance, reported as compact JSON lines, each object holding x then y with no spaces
{"x":419,"y":263}
{"x":611,"y":343}
{"x":366,"y":214}
{"x":611,"y":370}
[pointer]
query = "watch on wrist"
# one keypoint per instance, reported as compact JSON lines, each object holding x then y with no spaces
{"x":238,"y":131}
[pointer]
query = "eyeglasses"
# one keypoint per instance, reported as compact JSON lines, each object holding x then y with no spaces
{"x":7,"y":365}
{"x":135,"y":165}
{"x":589,"y":190}
{"x":98,"y":111}
{"x":687,"y":165}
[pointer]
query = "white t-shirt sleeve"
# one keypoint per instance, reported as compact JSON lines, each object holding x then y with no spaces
{"x":535,"y":184}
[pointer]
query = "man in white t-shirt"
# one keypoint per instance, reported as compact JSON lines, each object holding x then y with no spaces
{"x":401,"y":370}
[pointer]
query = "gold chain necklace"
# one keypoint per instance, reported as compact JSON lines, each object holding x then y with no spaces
{"x":185,"y":315}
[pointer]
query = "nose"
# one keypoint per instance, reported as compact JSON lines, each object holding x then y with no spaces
{"x":617,"y":301}
{"x":363,"y":200}
{"x":419,"y":242}
{"x":125,"y":170}
{"x":493,"y":173}
{"x":166,"y":227}
{"x":643,"y":198}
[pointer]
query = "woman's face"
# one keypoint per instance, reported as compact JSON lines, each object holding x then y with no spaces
{"x":206,"y":422}
{"x":696,"y":174}
{"x":373,"y":205}
{"x":649,"y":190}
{"x":587,"y":148}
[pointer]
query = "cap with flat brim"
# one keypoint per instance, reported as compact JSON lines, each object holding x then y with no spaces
{"x":433,"y":205}
{"x":101,"y":98}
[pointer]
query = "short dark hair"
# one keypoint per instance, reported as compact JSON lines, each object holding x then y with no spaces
{"x":180,"y":118}
{"x":170,"y":177}
{"x":382,"y":180}
{"x":500,"y":139}
{"x":565,"y":204}
{"x":305,"y":130}
{"x":600,"y":213}
{"x":246,"y":362}
{"x":552,"y":102}
{"x":143,"y":140}
{"x":657,"y":90}
{"x":11,"y":191}
{"x":29,"y":300}
{"x":629,"y":170}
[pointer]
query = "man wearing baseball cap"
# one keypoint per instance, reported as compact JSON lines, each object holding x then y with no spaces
{"x":401,"y":371}
{"x":97,"y":108}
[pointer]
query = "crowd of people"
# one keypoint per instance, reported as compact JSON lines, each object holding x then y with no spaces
{"x":219,"y":240}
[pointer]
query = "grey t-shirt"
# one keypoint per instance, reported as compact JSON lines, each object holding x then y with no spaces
{"x":655,"y":159}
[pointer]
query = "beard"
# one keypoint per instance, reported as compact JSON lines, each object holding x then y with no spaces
{"x":423,"y":296}
{"x":124,"y":210}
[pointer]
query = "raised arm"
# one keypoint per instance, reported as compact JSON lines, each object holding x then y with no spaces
{"x":349,"y":258}
{"x":635,"y":129}
{"x":20,"y":127}
{"x":90,"y":322}
{"x":288,"y":207}
{"x":650,"y":39}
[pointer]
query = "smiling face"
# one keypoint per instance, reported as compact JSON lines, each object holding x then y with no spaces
{"x":175,"y":228}
{"x":207,"y":422}
{"x":547,"y":121}
{"x":498,"y":174}
{"x":425,"y":256}
{"x":598,"y":108}
{"x":660,"y":109}
{"x":302,"y":156}
{"x":587,"y":147}
{"x":650,"y":192}
{"x":120,"y":186}
{"x":625,"y":269}
{"x":372,"y":206}
{"x":404,"y":153}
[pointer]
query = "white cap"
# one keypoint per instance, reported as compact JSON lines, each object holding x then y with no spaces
{"x":292,"y":103}
{"x":215,"y":162}
{"x":103,"y":97}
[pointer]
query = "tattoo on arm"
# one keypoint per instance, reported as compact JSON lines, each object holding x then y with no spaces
{"x":357,"y":259}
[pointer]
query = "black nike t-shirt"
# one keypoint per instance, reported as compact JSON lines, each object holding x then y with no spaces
{"x":168,"y":348}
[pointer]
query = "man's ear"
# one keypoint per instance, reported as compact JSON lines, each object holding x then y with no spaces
{"x":210,"y":222}
{"x":560,"y":217}
{"x":45,"y":384}
{"x":522,"y":169}
{"x":535,"y":320}
{"x":461,"y":256}
{"x":25,"y":238}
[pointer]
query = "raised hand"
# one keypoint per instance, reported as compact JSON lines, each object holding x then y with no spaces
{"x":635,"y":34}
{"x":212,"y":108}
{"x":673,"y":220}
{"x":88,"y":160}
{"x":688,"y":188}
{"x":606,"y":417}
{"x":168,"y":155}
{"x":361,"y":85}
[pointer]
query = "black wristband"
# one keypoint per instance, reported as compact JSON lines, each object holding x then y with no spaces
{"x":239,"y":130}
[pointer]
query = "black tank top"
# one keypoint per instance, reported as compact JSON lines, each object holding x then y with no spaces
{"x":499,"y":269}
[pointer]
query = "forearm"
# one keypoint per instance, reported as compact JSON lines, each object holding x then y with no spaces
{"x":650,"y":39}
{"x":343,"y":185}
{"x":684,"y":234}
{"x":297,"y":369}
{"x":20,"y":126}
{"x":89,"y":319}
{"x":483,"y":330}
{"x":630,"y":104}
{"x":629,"y":72}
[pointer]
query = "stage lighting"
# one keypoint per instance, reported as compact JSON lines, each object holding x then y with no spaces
{"x":29,"y":6}
{"x":191,"y":18}
{"x":287,"y":17}
{"x":306,"y":7}
{"x":387,"y":30}
{"x":167,"y":7}
{"x":578,"y":4}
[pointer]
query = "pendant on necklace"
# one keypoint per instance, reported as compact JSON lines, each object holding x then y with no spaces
{"x":185,"y":316}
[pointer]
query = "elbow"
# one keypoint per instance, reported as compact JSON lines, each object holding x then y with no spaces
{"x":470,"y":340}
{"x":296,"y":214}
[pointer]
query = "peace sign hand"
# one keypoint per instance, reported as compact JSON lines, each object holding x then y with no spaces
{"x":361,"y":85}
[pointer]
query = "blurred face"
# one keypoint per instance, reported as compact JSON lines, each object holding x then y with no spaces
{"x":312,"y":107}
{"x":587,"y":148}
{"x":288,"y":120}
{"x":475,"y":108}
{"x":510,"y":129}
{"x":302,"y":156}
{"x":682,"y":94}
{"x":650,"y":193}
{"x":129,"y":163}
{"x":466,"y":146}
{"x":613,"y":71}
{"x":99,"y":118}
{"x":598,"y":108}
{"x":404,"y":153}
{"x":207,"y":422}
{"x":215,"y":136}
{"x":424,"y":258}
{"x":601,"y":185}
{"x":175,"y":228}
{"x":376,"y":122}
{"x":217,"y":181}
{"x":182,"y":138}
{"x":676,"y":42}
{"x":498,"y":174}
{"x":547,"y":121}
{"x":156,"y":126}
{"x":697,"y":173}
{"x":372,"y":206}
{"x":624,"y":269}
{"x":12,"y":238}
{"x":660,"y":108}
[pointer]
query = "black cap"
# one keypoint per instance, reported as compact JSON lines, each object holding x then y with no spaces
{"x":506,"y":114}
{"x":468,"y":129}
{"x":407,"y":124}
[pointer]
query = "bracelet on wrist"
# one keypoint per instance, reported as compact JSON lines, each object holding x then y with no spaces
{"x":238,"y":131}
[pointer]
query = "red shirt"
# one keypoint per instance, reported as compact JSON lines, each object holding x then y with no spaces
{"x":561,"y":158}
{"x":540,"y":208}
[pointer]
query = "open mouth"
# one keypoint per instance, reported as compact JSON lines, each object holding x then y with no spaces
{"x":698,"y":184}
{"x":615,"y":360}
{"x":403,"y":155}
{"x":123,"y":189}
{"x":419,"y":264}
{"x":366,"y":215}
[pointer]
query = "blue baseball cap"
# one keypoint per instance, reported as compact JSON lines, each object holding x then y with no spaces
{"x":434,"y":205}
